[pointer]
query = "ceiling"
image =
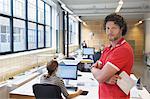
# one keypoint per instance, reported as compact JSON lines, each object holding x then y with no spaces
{"x":98,"y":9}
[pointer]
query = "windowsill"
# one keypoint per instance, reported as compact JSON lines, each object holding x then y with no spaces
{"x":73,"y":45}
{"x":24,"y":53}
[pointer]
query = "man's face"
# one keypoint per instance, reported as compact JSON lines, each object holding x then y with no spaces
{"x":113,"y":31}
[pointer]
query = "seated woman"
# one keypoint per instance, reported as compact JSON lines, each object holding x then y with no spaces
{"x":52,"y":78}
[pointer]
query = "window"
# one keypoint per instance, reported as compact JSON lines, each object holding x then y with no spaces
{"x":32,"y":10}
{"x":70,"y":32}
{"x":73,"y":31}
{"x":40,"y":36}
{"x":32,"y":35}
{"x":65,"y":30}
{"x":40,"y":11}
{"x":57,"y":35}
{"x":3,"y":38}
{"x":5,"y":6}
{"x":19,"y":8}
{"x":4,"y":34}
{"x":48,"y":16}
{"x":16,"y":34}
{"x":19,"y":35}
{"x":3,"y":29}
{"x":48,"y":36}
{"x":13,"y":35}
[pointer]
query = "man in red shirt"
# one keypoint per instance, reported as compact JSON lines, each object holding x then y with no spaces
{"x":115,"y":58}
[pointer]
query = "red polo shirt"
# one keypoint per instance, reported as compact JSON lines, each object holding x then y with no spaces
{"x":121,"y":58}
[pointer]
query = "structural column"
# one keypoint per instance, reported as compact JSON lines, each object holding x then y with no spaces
{"x":147,"y":32}
{"x":147,"y":36}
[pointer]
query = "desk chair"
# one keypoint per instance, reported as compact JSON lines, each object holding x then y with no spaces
{"x":96,"y":56}
{"x":46,"y":91}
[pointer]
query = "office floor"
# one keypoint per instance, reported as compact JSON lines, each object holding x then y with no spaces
{"x":142,"y":71}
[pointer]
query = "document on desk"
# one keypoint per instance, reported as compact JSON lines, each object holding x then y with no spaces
{"x":125,"y":83}
{"x":71,"y":62}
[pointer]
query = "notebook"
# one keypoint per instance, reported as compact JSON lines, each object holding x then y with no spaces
{"x":126,"y":82}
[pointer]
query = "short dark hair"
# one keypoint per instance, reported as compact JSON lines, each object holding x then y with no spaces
{"x":117,"y":19}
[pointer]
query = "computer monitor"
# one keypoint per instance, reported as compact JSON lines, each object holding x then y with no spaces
{"x":88,"y":51}
{"x":67,"y":71}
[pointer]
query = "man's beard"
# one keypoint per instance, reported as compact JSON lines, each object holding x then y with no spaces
{"x":114,"y":39}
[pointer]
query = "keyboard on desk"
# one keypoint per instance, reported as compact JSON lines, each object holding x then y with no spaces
{"x":72,"y":88}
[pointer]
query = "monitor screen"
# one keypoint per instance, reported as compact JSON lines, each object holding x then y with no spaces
{"x":88,"y":51}
{"x":67,"y":71}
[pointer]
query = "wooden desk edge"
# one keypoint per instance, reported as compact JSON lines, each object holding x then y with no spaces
{"x":17,"y":96}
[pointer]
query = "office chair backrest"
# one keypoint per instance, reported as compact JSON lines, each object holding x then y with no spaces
{"x":46,"y":91}
{"x":96,"y":56}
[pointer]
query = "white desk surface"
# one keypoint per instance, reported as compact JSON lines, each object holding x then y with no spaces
{"x":84,"y":82}
{"x":24,"y":77}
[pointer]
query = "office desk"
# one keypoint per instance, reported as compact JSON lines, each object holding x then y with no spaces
{"x":25,"y":77}
{"x":84,"y":82}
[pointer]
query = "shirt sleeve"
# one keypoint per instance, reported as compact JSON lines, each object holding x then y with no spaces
{"x":102,"y":56}
{"x":63,"y":88}
{"x":119,"y":58}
